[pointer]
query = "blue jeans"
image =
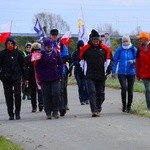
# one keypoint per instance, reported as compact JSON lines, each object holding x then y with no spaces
{"x":147,"y":91}
{"x":126,"y":83}
{"x":82,"y":88}
{"x":96,"y":94}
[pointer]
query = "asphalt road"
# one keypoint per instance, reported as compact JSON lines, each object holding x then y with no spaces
{"x":113,"y":130}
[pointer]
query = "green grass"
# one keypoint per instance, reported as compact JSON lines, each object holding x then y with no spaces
{"x":72,"y":81}
{"x":139,"y":108}
{"x":114,"y":83}
{"x":6,"y":144}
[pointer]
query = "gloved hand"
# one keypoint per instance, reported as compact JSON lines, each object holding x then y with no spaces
{"x":70,"y":72}
{"x":114,"y":75}
{"x":130,"y":61}
{"x":108,"y":71}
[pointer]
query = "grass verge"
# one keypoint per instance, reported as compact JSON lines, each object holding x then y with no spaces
{"x":6,"y":144}
{"x":139,"y":108}
{"x":114,"y":83}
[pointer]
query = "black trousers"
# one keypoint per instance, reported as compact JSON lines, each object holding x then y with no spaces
{"x":63,"y":92}
{"x":126,"y":83}
{"x":35,"y":95}
{"x":51,"y":96}
{"x":12,"y":92}
{"x":96,"y":94}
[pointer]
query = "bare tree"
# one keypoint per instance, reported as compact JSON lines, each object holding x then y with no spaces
{"x":137,"y":30}
{"x":102,"y":28}
{"x":50,"y":21}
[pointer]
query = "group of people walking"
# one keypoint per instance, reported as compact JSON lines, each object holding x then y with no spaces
{"x":44,"y":72}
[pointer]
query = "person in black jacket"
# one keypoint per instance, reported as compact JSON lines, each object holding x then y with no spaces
{"x":98,"y":66}
{"x":36,"y":94}
{"x":12,"y":69}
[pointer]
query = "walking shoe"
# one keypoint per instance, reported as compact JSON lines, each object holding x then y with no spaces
{"x":87,"y":102}
{"x":123,"y":109}
{"x":55,"y":115}
{"x":18,"y":117}
{"x":49,"y":117}
{"x":34,"y":110}
{"x":98,"y":114}
{"x":66,"y":107}
{"x":11,"y":118}
{"x":40,"y":108}
{"x":62,"y":112}
{"x":128,"y":110}
{"x":94,"y":114}
{"x":82,"y":103}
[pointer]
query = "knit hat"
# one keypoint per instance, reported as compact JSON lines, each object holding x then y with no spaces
{"x":10,"y":39}
{"x":28,"y":44}
{"x":102,"y":35}
{"x":54,"y":32}
{"x":48,"y":42}
{"x":80,"y":43}
{"x":144,"y":35}
{"x":35,"y":46}
{"x":94,"y":35}
{"x":126,"y":38}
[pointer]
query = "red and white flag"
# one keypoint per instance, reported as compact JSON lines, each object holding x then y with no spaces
{"x":36,"y":56}
{"x":66,"y":38}
{"x":5,"y":31}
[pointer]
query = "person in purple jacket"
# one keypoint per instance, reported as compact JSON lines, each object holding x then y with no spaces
{"x":48,"y":69}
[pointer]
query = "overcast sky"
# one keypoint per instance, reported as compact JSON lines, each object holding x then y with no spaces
{"x":124,"y":15}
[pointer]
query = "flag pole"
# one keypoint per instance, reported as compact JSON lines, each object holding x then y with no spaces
{"x":41,"y":27}
{"x":10,"y":26}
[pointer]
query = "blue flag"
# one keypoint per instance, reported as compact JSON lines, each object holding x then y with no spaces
{"x":40,"y":32}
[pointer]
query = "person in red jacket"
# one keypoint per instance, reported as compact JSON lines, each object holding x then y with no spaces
{"x":97,"y":57}
{"x":143,"y":63}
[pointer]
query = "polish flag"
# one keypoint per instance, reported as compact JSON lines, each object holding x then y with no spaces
{"x":66,"y":38}
{"x":36,"y":56}
{"x":5,"y":32}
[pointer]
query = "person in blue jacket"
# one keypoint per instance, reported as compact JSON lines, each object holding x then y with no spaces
{"x":124,"y":60}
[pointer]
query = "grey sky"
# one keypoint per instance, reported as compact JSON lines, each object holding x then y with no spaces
{"x":124,"y":16}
